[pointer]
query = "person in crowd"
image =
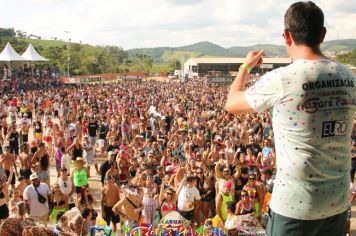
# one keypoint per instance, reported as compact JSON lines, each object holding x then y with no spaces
{"x":76,"y":149}
{"x":245,"y":205}
{"x":188,"y":194}
{"x":37,"y":197}
{"x":25,"y":162}
{"x":40,"y":163}
{"x":222,"y":199}
{"x":87,"y":199}
{"x":7,"y":161}
{"x":13,"y":137}
{"x":66,"y":186}
{"x":4,"y":194}
{"x":129,"y":208}
{"x":20,"y":210}
{"x":92,"y":130}
{"x":110,"y":195}
{"x":167,"y":200}
{"x":58,"y":160}
{"x":150,"y":190}
{"x":89,"y":154}
{"x":231,"y":221}
{"x":106,"y":165}
{"x":65,"y":160}
{"x":303,"y":150}
{"x":79,"y":176}
{"x":59,"y":203}
{"x":38,"y":130}
{"x":21,"y":185}
{"x":15,"y":197}
{"x":113,"y":172}
{"x":205,"y":187}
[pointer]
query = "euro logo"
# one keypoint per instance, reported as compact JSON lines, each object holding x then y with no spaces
{"x":334,"y":128}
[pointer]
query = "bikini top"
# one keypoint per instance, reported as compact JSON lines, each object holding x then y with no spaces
{"x":60,"y":203}
{"x":168,"y":207}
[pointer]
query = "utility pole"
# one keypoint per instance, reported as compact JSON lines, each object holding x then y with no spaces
{"x":68,"y":53}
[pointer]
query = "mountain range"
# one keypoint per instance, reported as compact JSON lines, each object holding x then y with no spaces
{"x":209,"y":49}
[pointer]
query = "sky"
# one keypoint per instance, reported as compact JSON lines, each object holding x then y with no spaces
{"x":167,"y":23}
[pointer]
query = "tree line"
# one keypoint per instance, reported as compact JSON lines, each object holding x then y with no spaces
{"x":83,"y":58}
{"x":348,"y":58}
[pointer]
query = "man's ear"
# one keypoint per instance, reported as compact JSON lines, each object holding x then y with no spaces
{"x":322,"y":35}
{"x":288,"y":37}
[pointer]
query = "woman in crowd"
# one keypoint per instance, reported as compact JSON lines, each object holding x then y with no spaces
{"x":222,"y":199}
{"x":38,"y":130}
{"x":4,"y":194}
{"x":88,"y":152}
{"x":80,"y":175}
{"x":245,"y":205}
{"x":86,"y":199}
{"x":15,"y":198}
{"x":76,"y":149}
{"x":231,"y":222}
{"x":167,"y":200}
{"x":113,"y":172}
{"x":149,"y":200}
{"x":60,"y":203}
{"x":204,"y":185}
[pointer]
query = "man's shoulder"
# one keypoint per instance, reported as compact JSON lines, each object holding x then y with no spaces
{"x":29,"y":188}
{"x":43,"y":186}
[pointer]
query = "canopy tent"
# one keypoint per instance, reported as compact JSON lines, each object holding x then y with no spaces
{"x":9,"y":54}
{"x":32,"y":55}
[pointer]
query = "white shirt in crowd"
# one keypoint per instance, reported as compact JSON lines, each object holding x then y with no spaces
{"x":30,"y":194}
{"x":66,"y":188}
{"x":65,"y":162}
{"x":187,"y":195}
{"x":312,"y":103}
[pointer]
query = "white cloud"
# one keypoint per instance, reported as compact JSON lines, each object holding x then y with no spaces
{"x":140,"y":23}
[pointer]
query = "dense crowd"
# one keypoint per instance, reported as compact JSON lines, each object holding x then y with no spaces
{"x":158,"y":147}
{"x":28,"y":77}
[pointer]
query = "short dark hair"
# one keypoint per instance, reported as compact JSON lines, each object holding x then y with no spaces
{"x":85,"y":212}
{"x":231,"y":206}
{"x":305,"y":22}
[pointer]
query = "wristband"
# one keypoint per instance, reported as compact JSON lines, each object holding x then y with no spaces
{"x":246,"y":67}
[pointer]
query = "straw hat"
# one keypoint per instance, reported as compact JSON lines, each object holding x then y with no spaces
{"x":80,"y":159}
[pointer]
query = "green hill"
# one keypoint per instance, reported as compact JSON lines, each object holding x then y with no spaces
{"x":339,"y":45}
{"x":208,"y":49}
{"x":89,"y":59}
{"x":270,"y":50}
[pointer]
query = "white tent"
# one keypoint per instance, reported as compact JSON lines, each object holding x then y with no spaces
{"x":9,"y":54}
{"x":32,"y":55}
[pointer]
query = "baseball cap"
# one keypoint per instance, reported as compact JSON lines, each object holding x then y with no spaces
{"x":33,"y":176}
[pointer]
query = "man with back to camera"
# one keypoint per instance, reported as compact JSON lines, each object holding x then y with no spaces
{"x":312,"y":102}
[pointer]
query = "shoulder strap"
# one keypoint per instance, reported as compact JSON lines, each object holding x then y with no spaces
{"x":133,"y":204}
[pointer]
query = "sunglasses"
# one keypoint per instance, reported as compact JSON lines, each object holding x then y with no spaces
{"x":169,"y":194}
{"x":199,"y":173}
{"x":65,"y":184}
{"x":244,"y":195}
{"x":226,"y":171}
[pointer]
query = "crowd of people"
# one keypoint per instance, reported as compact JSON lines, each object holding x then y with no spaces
{"x":158,"y":147}
{"x":28,"y":77}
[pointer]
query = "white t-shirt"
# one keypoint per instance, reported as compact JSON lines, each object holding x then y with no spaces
{"x":187,"y":195}
{"x":312,"y":105}
{"x":65,"y":162}
{"x":66,"y":187}
{"x":30,"y":194}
